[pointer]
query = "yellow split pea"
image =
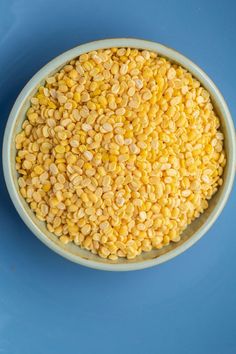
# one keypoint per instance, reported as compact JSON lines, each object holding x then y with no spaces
{"x":120,"y":151}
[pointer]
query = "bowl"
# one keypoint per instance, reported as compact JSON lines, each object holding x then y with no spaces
{"x":72,"y":252}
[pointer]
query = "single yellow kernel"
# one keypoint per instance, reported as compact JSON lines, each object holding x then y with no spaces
{"x":65,"y":240}
{"x":60,"y":149}
{"x":77,"y":97}
{"x":38,"y":170}
{"x":87,"y":166}
{"x":166,"y":240}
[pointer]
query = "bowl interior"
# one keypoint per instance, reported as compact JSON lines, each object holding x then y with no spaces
{"x":74,"y":252}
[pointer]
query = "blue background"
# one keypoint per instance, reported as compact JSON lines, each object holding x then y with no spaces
{"x":49,"y":305}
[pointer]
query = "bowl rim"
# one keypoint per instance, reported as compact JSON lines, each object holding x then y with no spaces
{"x":61,"y":60}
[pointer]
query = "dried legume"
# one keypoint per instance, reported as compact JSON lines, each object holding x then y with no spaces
{"x":119,"y":152}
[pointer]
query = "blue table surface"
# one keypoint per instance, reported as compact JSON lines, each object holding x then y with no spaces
{"x":49,"y":305}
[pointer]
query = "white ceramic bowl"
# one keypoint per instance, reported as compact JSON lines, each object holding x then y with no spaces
{"x":193,"y":232}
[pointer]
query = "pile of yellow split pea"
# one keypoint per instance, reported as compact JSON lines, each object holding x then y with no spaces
{"x":120,"y":150}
